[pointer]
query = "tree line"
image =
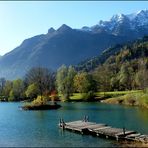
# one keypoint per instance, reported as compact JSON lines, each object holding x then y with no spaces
{"x":110,"y":76}
{"x":43,"y":82}
{"x":120,"y":68}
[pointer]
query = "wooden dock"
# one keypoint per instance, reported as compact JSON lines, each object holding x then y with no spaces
{"x":103,"y":130}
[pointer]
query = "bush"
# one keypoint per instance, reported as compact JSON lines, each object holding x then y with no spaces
{"x":88,"y":96}
{"x":131,"y":101}
{"x":120,"y":101}
{"x":54,"y":96}
{"x":143,"y":101}
{"x":40,"y":100}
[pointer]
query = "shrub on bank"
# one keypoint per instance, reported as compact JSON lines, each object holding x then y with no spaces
{"x":134,"y":99}
{"x":88,"y":96}
{"x":40,"y":100}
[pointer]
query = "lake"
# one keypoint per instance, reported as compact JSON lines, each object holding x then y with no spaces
{"x":40,"y":128}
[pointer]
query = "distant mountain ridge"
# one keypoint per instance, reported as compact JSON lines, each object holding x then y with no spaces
{"x":134,"y":51}
{"x":135,"y":23}
{"x":70,"y":46}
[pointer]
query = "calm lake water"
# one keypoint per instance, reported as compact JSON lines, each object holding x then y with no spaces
{"x":39,"y":128}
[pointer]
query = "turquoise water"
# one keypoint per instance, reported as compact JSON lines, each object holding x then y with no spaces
{"x":39,"y":128}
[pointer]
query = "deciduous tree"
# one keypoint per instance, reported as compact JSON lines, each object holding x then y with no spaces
{"x":64,"y":81}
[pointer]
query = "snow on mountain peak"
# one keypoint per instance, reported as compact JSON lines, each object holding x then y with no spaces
{"x":131,"y":16}
{"x":132,"y":20}
{"x":142,"y":11}
{"x":135,"y":19}
{"x":118,"y":17}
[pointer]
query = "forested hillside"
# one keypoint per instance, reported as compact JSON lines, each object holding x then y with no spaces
{"x":123,"y":68}
{"x":136,"y":49}
{"x":120,"y":68}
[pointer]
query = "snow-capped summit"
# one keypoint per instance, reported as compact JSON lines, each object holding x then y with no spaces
{"x":131,"y":16}
{"x":141,"y":18}
{"x":121,"y":23}
{"x":142,"y":11}
{"x":135,"y":19}
{"x":118,"y":17}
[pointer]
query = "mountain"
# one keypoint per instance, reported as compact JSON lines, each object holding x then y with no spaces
{"x":135,"y":24}
{"x":70,"y":46}
{"x":62,"y":46}
{"x":119,"y":54}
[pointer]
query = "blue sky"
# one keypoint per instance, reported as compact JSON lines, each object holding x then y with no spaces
{"x":23,"y":19}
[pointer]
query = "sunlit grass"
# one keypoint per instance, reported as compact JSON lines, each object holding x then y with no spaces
{"x":76,"y":96}
{"x":100,"y":95}
{"x":138,"y":98}
{"x":118,"y":92}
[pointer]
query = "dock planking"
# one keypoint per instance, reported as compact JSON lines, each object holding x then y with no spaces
{"x":103,"y":130}
{"x":79,"y":126}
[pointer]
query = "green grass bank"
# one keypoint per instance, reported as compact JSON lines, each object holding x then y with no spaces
{"x":133,"y":97}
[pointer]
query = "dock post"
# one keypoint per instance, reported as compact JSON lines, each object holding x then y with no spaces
{"x":117,"y":138}
{"x":62,"y":123}
{"x":84,"y":119}
{"x":124,"y":131}
{"x":87,"y":118}
{"x":63,"y":126}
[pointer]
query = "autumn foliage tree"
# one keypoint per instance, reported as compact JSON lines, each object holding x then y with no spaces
{"x":85,"y":84}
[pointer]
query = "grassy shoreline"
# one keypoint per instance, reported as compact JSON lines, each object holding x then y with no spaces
{"x":132,"y":98}
{"x":136,"y":99}
{"x":103,"y":95}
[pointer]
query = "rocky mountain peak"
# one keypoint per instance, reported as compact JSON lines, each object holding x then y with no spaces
{"x":122,"y":22}
{"x":51,"y":30}
{"x":64,"y":28}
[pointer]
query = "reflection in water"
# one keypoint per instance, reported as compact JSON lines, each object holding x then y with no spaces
{"x":40,"y":128}
{"x":143,"y":115}
{"x":40,"y":114}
